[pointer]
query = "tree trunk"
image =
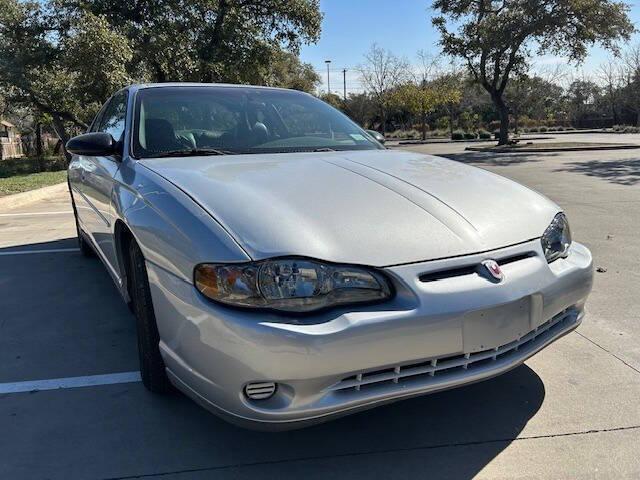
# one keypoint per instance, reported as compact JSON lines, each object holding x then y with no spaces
{"x":450,"y":120}
{"x":503,"y":112}
{"x":39,"y":155}
{"x":423,"y":118}
{"x":61,"y":131}
{"x":383,"y":114}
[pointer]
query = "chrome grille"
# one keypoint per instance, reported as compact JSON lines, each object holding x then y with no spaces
{"x":443,"y":366}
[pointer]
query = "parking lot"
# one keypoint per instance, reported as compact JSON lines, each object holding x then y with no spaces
{"x":573,"y":411}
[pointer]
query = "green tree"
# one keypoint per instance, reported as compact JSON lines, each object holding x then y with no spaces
{"x":530,"y":96}
{"x":208,"y":40}
{"x":360,"y":108}
{"x":65,"y":57}
{"x":582,"y":96}
{"x":496,"y":38}
{"x":419,"y":99}
{"x":332,"y":99}
{"x":63,"y":69}
{"x":287,"y":71}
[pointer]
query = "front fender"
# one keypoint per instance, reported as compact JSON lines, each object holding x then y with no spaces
{"x":172,"y":230}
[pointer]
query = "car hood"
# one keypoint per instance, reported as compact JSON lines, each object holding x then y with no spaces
{"x":379,"y":208}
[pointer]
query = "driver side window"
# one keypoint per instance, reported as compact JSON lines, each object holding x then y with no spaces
{"x":113,"y":118}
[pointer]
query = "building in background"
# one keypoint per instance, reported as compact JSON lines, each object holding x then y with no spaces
{"x":9,"y":141}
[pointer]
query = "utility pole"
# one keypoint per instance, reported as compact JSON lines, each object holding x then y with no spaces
{"x":328,"y":80}
{"x":344,"y":83}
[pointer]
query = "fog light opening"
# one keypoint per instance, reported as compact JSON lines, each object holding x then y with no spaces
{"x":260,"y":391}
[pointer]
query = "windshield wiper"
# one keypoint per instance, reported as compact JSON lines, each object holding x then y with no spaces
{"x":324,"y":149}
{"x":192,"y":152}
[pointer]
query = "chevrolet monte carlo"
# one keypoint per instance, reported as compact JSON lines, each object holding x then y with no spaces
{"x":285,"y":268}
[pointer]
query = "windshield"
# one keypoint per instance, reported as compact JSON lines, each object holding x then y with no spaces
{"x":220,"y":120}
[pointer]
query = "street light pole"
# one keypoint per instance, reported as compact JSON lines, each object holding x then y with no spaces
{"x":344,"y":83}
{"x":328,"y":79}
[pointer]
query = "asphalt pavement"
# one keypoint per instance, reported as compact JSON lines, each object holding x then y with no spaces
{"x":572,"y":411}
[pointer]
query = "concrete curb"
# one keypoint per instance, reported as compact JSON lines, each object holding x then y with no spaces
{"x":469,"y":140}
{"x":24,"y":198}
{"x":547,"y":150}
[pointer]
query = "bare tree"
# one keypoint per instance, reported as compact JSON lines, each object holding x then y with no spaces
{"x":609,"y":75}
{"x":631,"y":79}
{"x":427,"y":67}
{"x":380,"y":73}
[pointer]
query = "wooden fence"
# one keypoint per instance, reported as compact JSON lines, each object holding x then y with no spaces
{"x":11,"y":148}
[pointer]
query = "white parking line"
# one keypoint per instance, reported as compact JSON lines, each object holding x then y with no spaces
{"x":33,"y":252}
{"x":70,"y":382}
{"x":34,"y":213}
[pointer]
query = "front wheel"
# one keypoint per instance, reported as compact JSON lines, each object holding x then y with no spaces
{"x":152,"y":368}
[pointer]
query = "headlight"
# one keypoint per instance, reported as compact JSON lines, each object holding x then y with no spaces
{"x":556,"y":238}
{"x":289,"y":284}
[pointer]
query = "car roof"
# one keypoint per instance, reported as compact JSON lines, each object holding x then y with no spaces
{"x":143,"y":86}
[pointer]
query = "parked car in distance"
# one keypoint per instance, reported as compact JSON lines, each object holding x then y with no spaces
{"x":285,"y":269}
{"x":377,"y":136}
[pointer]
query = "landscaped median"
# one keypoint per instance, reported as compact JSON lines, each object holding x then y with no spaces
{"x":552,"y":147}
{"x":23,"y":174}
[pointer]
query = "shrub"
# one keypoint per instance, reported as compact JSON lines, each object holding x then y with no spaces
{"x":527,"y":122}
{"x":25,"y":165}
{"x":405,"y":134}
{"x":560,"y":129}
{"x":470,"y":135}
{"x":484,"y":134}
{"x":543,"y":129}
{"x":439,"y":133}
{"x":442,"y":123}
{"x":457,"y":135}
{"x":534,"y":129}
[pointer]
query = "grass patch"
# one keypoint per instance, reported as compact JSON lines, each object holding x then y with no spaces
{"x":23,"y":174}
{"x":23,"y":166}
{"x":31,"y":181}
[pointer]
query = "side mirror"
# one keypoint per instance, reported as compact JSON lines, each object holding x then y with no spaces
{"x":94,"y":144}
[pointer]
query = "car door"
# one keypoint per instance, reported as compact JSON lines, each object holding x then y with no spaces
{"x":97,"y":180}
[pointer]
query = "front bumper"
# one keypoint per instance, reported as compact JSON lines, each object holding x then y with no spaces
{"x":432,"y":336}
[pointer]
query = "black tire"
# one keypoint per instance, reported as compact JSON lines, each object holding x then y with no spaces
{"x":152,"y":368}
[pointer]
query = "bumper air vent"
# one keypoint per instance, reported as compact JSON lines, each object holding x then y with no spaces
{"x":260,"y":391}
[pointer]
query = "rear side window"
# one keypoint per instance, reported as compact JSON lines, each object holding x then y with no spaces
{"x":113,"y":116}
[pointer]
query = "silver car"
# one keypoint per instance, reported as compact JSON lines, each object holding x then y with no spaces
{"x":285,"y":269}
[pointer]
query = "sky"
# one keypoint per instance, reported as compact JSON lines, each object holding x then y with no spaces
{"x":350,"y":27}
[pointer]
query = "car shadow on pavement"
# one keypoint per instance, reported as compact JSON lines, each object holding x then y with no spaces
{"x":452,"y":434}
{"x":494,"y":159}
{"x":64,"y":243}
{"x":79,"y":314}
{"x":620,"y":172}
